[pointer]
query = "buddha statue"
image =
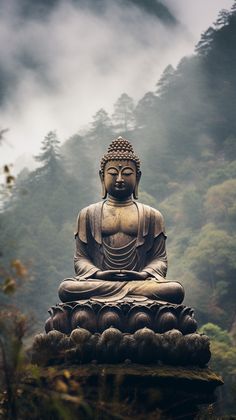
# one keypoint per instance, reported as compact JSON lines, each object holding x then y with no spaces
{"x":119,"y":307}
{"x":120,"y":243}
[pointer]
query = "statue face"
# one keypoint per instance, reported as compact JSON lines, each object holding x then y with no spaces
{"x":120,"y":178}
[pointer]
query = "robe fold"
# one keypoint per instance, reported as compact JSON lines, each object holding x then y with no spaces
{"x":150,"y":257}
{"x":150,"y":243}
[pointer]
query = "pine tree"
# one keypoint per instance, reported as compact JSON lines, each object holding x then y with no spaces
{"x":165,"y":80}
{"x":222,"y":19}
{"x":101,"y":124}
{"x":101,"y":132}
{"x":145,"y":111}
{"x":233,"y":8}
{"x":49,"y":157}
{"x":123,"y":117}
{"x":204,"y":45}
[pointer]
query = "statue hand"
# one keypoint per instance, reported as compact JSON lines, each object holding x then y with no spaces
{"x":121,"y":275}
{"x":135,"y":275}
{"x":109,"y":275}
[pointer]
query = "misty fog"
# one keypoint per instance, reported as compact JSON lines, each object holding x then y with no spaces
{"x":57,"y":70}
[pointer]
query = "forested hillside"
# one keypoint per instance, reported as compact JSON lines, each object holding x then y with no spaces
{"x":185,"y":133}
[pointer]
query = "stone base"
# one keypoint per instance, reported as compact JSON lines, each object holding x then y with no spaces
{"x":128,"y":315}
{"x":113,"y":346}
{"x":132,"y":391}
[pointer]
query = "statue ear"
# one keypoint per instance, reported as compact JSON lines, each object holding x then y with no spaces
{"x":104,"y":191}
{"x":135,"y":193}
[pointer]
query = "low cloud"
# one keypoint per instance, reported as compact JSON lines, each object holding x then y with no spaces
{"x":60,"y":69}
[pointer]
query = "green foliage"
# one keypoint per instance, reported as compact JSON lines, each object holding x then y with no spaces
{"x":13,"y":325}
{"x":211,"y":256}
{"x":192,"y":208}
{"x":144,"y":115}
{"x":223,"y":171}
{"x":123,"y":116}
{"x":220,"y":202}
{"x":164,"y":83}
{"x":223,"y":361}
{"x":211,"y":250}
{"x":147,"y":199}
{"x":101,"y":131}
{"x":49,"y":157}
{"x":214,"y":332}
{"x":185,"y":134}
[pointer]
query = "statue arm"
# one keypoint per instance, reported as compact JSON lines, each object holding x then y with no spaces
{"x":157,"y":258}
{"x":84,"y":267}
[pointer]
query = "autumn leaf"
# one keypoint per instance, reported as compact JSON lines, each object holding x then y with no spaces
{"x":66,"y":374}
{"x":9,"y":286}
{"x":20,"y":269}
{"x":61,"y":386}
{"x":74,"y":386}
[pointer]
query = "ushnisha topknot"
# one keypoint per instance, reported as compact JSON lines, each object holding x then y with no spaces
{"x":120,"y":149}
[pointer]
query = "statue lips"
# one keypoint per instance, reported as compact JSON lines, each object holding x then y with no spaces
{"x":120,"y":186}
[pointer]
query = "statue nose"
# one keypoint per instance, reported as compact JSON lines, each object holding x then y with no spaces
{"x":119,"y":179}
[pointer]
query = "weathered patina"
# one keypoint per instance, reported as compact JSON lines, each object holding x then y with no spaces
{"x":120,"y":266}
{"x":120,"y":243}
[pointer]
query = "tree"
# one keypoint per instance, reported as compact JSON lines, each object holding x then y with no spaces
{"x":220,"y":202}
{"x":123,"y":117}
{"x":49,"y":157}
{"x":211,"y":257}
{"x":101,"y":123}
{"x":222,"y":19}
{"x":233,"y":8}
{"x":223,"y":361}
{"x":205,"y":44}
{"x":165,"y":80}
{"x":145,"y":111}
{"x":101,"y":130}
{"x":216,"y":333}
{"x":192,"y":209}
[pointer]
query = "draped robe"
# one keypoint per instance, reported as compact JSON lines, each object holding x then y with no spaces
{"x":90,"y":257}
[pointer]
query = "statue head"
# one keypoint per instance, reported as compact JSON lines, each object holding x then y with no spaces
{"x":120,"y":170}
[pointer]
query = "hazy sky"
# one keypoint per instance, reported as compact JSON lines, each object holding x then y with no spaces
{"x":61,"y":69}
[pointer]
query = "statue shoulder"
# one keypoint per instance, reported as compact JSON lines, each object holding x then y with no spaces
{"x":156,"y":219}
{"x":86,"y":214}
{"x":89,"y":210}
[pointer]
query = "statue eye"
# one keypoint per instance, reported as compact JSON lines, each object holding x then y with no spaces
{"x":113,"y":173}
{"x":127,"y":173}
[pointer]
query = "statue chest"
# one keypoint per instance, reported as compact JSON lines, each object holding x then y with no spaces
{"x":120,"y":220}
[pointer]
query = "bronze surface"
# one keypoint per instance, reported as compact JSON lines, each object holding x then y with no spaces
{"x":120,"y":243}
